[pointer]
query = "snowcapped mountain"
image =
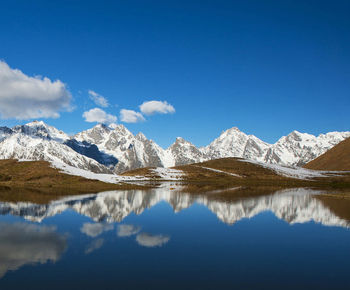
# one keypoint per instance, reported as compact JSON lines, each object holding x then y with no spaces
{"x":41,"y":130}
{"x":297,"y":148}
{"x":234,"y":143}
{"x":114,"y":148}
{"x":184,"y":152}
{"x":5,"y":132}
{"x":38,"y":141}
{"x":131,"y":151}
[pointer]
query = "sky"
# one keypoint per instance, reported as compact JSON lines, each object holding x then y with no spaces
{"x":177,"y":68}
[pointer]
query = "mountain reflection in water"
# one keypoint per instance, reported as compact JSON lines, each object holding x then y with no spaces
{"x":177,"y":237}
{"x":292,"y":205}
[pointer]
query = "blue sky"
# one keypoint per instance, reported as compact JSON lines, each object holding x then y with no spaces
{"x":267,"y":67}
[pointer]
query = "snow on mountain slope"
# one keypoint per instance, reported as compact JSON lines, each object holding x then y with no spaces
{"x":115,"y":147}
{"x":96,"y":135}
{"x":234,"y":143}
{"x":25,"y":147}
{"x":297,"y":172}
{"x":230,"y":143}
{"x":184,"y":152}
{"x":137,"y":151}
{"x":5,"y":132}
{"x":42,"y":130}
{"x":131,"y":151}
{"x":296,"y":149}
{"x":39,"y":141}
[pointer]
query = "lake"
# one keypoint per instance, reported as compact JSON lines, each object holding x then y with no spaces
{"x":167,"y":239}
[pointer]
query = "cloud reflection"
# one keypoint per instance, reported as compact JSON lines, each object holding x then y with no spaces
{"x":22,"y":243}
{"x":95,"y":229}
{"x":149,"y":240}
{"x":127,"y":230}
{"x":94,"y":245}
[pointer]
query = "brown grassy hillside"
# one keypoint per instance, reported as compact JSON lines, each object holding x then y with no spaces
{"x":34,"y":176}
{"x":337,"y":158}
{"x":200,"y":177}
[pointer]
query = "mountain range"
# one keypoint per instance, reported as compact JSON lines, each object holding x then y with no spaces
{"x":114,"y":149}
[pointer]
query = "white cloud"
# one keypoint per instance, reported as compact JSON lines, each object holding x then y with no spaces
{"x":95,"y":229}
{"x":127,"y":230}
{"x":98,"y":115}
{"x":153,"y":107}
{"x":98,"y":99}
{"x":24,"y":97}
{"x":130,"y":116}
{"x":148,"y":240}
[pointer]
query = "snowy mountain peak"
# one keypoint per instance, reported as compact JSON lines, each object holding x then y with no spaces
{"x":230,"y":132}
{"x":115,"y":147}
{"x":36,"y":123}
{"x":122,"y":130}
{"x":180,"y":140}
{"x":233,"y":129}
{"x":141,"y":137}
{"x":5,"y":132}
{"x":42,"y":130}
{"x":95,"y":135}
{"x":102,"y":126}
{"x":113,"y":125}
{"x":184,"y":152}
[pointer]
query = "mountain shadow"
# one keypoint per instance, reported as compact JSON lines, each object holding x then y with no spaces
{"x":91,"y":150}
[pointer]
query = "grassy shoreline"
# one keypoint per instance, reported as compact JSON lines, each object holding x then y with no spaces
{"x":38,"y":180}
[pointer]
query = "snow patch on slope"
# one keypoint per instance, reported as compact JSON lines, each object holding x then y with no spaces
{"x":298,"y":172}
{"x":164,"y":174}
{"x":219,"y":171}
{"x":168,"y":173}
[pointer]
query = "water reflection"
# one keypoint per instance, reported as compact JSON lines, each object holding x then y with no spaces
{"x":149,"y":240}
{"x":182,"y":248}
{"x":292,"y":205}
{"x":94,"y":245}
{"x":95,"y":229}
{"x":22,"y":243}
{"x":127,"y":230}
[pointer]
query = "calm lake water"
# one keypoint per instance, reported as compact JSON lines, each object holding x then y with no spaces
{"x":163,"y":239}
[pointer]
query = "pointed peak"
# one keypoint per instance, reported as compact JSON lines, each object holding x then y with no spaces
{"x":299,"y":134}
{"x":36,"y":123}
{"x":120,"y":129}
{"x":180,"y":139}
{"x":119,"y":126}
{"x":101,"y":125}
{"x":113,"y":125}
{"x":231,"y":130}
{"x":140,"y":136}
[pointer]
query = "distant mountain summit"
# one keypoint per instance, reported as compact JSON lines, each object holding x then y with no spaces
{"x":337,"y":158}
{"x":39,"y":141}
{"x":297,"y":149}
{"x":114,"y":148}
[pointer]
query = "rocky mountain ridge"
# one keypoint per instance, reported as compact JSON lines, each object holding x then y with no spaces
{"x":114,"y":148}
